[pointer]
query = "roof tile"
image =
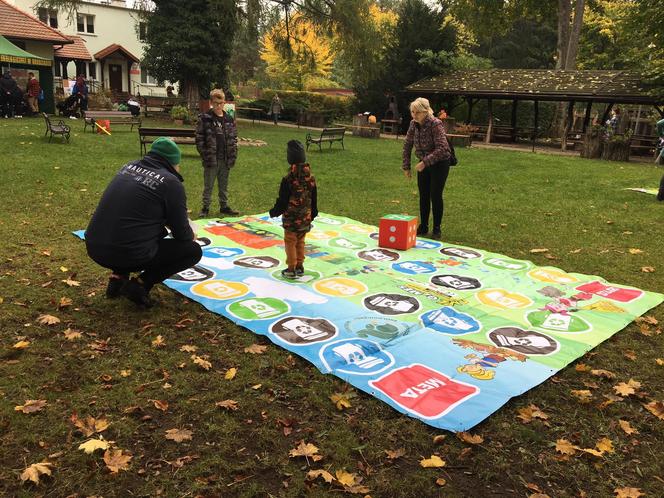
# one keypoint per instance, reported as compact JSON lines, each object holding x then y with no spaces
{"x":15,"y":23}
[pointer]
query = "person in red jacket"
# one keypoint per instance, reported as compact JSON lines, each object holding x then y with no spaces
{"x":33,"y":91}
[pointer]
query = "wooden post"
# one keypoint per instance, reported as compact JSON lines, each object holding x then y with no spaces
{"x":487,"y":138}
{"x":470,"y":110}
{"x":568,"y":125}
{"x":514,"y":105}
{"x":535,"y":123}
{"x":586,"y":118}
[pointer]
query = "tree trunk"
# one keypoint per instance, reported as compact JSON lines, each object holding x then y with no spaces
{"x":592,"y":145}
{"x":616,"y":150}
{"x":564,"y":13}
{"x":574,"y":35}
{"x":189,"y":90}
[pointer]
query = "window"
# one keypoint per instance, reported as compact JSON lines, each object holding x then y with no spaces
{"x":146,"y":79}
{"x":92,"y":70}
{"x":49,"y":17}
{"x":142,"y":31}
{"x":85,"y":23}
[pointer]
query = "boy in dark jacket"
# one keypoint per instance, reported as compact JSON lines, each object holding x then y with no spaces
{"x":297,"y":203}
{"x":216,"y":141}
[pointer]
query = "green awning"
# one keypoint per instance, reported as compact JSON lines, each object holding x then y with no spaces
{"x":14,"y":55}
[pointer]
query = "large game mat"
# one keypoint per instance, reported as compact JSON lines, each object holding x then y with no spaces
{"x":443,"y":333}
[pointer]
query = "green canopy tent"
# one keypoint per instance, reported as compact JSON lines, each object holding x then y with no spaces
{"x":16,"y":57}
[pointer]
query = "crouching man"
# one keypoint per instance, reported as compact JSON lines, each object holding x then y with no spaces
{"x":126,"y":233}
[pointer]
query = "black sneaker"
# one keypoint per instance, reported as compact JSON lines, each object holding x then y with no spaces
{"x":115,"y":287}
{"x":422,"y":230}
{"x":205,"y":212}
{"x":436,"y":233}
{"x":299,"y":271}
{"x":136,"y":293}
{"x":289,"y":274}
{"x":228,"y":211}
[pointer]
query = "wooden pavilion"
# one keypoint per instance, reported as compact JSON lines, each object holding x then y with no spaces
{"x":591,"y":87}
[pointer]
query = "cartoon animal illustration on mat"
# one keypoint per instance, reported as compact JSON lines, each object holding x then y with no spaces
{"x":561,"y":304}
{"x":483,"y":367}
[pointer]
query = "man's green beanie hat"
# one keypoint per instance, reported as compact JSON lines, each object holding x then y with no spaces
{"x":166,"y":148}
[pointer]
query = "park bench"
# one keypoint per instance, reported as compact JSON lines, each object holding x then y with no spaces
{"x":182,"y":136}
{"x":56,"y":129}
{"x":252,"y":113}
{"x":114,"y":117}
{"x":327,"y":135}
{"x":160,"y":104}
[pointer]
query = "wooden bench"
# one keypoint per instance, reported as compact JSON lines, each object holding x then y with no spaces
{"x":327,"y":135}
{"x":253,"y":112}
{"x":182,"y":136}
{"x":161,"y":104}
{"x":114,"y":117}
{"x":391,"y":126}
{"x":56,"y":129}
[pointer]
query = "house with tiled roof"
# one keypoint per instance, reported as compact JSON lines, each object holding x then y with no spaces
{"x":37,"y":42}
{"x":107,"y":45}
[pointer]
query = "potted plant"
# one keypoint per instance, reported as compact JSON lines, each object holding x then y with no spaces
{"x":180,"y":114}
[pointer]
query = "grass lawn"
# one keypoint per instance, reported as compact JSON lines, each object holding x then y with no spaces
{"x":506,"y":202}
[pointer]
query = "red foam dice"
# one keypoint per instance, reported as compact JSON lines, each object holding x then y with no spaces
{"x":397,"y":231}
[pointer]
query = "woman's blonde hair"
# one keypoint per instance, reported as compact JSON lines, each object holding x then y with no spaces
{"x":421,"y":104}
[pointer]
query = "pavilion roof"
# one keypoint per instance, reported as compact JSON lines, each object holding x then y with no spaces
{"x":76,"y":51}
{"x":620,"y":86}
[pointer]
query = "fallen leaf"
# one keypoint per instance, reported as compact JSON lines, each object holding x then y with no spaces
{"x":583,"y":395}
{"x":64,"y":302}
{"x":625,"y":389}
{"x":31,"y":406}
{"x":394,"y":454}
{"x":230,"y":373}
{"x":314,"y":474}
{"x":92,"y":445}
{"x":656,"y":408}
{"x":345,"y":478}
{"x":628,"y":492}
{"x":158,"y":342}
{"x":116,"y":460}
{"x":660,"y":362}
{"x":630,"y":355}
{"x":439,"y":438}
{"x":648,"y":269}
{"x":466,"y":437}
{"x":35,"y":470}
{"x":306,"y":450}
{"x":89,"y":425}
{"x":627,"y":428}
{"x":530,"y":412}
{"x":592,"y":451}
{"x":72,"y":335}
{"x":71,"y":283}
{"x":227,"y":404}
{"x":582,"y":367}
{"x":635,"y":251}
{"x":433,"y":462}
{"x":188,"y":348}
{"x":125,"y":373}
{"x":603,"y":373}
{"x":179,"y":435}
{"x":441,"y":481}
{"x":565,"y":447}
{"x":540,"y":250}
{"x":341,"y":401}
{"x":605,"y":445}
{"x":21,"y":345}
{"x":161,"y":405}
{"x":48,"y":320}
{"x":201,"y":362}
{"x":255,"y":349}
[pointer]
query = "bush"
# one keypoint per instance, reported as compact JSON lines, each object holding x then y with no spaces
{"x":100,"y":100}
{"x":180,"y":112}
{"x":295,"y":103}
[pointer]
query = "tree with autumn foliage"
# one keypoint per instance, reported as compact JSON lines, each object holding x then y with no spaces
{"x":305,"y":60}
